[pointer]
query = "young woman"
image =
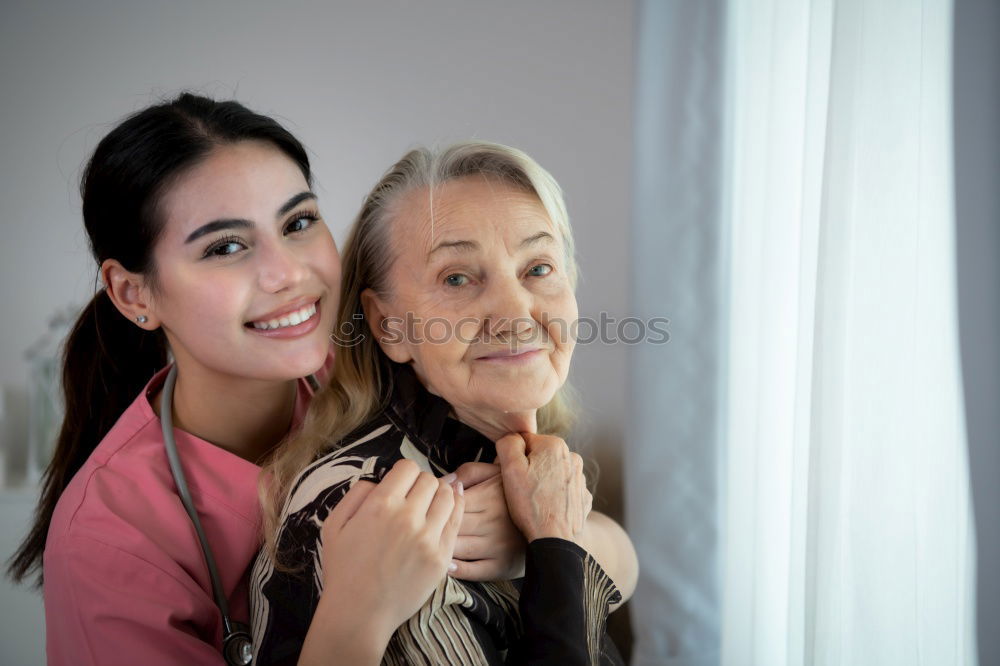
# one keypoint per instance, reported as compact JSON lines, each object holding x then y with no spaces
{"x":461,"y":263}
{"x":210,"y":246}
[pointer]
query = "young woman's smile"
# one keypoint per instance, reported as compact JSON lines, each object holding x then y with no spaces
{"x":289,"y":322}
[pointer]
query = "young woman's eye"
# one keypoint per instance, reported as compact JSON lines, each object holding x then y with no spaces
{"x":539,"y":270}
{"x":300,"y":223}
{"x":456,"y":280}
{"x":225,"y":247}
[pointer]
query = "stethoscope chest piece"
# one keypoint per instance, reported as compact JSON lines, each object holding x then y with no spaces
{"x":237,"y":647}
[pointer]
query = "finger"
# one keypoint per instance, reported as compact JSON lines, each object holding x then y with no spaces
{"x":484,"y":495}
{"x":535,"y":442}
{"x":398,"y":480}
{"x":472,"y":522}
{"x":583,"y":509}
{"x":348,"y":506}
{"x":450,"y":533}
{"x":576,"y":489}
{"x":469,"y":547}
{"x":441,"y":506}
{"x":476,"y":570}
{"x":587,"y":499}
{"x":472,"y":473}
{"x":422,"y":493}
{"x":531,"y":440}
{"x":511,"y":449}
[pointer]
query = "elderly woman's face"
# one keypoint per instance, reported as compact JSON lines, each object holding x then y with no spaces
{"x":481,"y":301}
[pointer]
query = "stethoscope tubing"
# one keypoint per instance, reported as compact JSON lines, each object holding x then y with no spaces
{"x":167,"y":421}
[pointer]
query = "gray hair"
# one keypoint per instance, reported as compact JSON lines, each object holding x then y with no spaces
{"x":423,"y":168}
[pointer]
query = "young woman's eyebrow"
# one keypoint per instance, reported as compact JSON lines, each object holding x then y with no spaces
{"x":218,"y":225}
{"x":294,"y":201}
{"x":238,"y":223}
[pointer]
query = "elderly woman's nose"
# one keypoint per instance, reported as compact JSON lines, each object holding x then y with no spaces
{"x":280,"y":267}
{"x":509,"y":308}
{"x":516,"y":327}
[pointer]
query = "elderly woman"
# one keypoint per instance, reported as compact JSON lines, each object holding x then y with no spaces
{"x":462,"y":265}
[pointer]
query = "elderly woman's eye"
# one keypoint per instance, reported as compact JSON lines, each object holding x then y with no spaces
{"x":456,"y":280}
{"x":539,"y":270}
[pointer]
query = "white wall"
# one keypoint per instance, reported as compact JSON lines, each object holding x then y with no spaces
{"x":358,"y":82}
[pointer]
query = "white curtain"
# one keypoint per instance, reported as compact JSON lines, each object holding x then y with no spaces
{"x":848,"y":535}
{"x":845,"y":534}
{"x":672,"y":453}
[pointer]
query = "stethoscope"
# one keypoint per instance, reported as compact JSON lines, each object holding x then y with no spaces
{"x":237,"y":647}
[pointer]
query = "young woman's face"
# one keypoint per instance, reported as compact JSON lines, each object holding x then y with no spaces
{"x":482,"y":303}
{"x":247,"y":273}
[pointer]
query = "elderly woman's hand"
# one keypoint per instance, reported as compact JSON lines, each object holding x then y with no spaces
{"x":544,"y":484}
{"x":489,"y":545}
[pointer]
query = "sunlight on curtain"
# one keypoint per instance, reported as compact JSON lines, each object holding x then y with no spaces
{"x":848,"y":535}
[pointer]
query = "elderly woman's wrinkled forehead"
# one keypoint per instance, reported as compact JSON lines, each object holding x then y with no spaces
{"x":423,"y":217}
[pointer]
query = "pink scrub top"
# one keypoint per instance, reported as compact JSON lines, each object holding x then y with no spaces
{"x":125,"y":578}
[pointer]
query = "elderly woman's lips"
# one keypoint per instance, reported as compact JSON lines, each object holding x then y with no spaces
{"x":524,"y":356}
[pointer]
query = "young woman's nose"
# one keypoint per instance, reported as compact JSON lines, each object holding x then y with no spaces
{"x":280,"y":268}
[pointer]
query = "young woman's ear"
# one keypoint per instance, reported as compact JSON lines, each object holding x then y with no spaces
{"x":389,"y":332}
{"x":130,"y":294}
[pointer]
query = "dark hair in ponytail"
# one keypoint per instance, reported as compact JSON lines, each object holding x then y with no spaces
{"x":107,"y":359}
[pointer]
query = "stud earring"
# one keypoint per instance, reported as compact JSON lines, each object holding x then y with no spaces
{"x":142,"y":319}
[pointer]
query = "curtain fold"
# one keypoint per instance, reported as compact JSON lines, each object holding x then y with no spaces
{"x":848,"y":528}
{"x":672,"y":452}
{"x":796,"y":473}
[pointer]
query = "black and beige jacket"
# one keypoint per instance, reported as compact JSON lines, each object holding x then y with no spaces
{"x":556,"y":614}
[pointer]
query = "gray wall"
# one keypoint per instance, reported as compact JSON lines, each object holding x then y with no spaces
{"x":977,"y":190}
{"x":358,"y":82}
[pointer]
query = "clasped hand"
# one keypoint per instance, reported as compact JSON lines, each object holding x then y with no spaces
{"x":404,"y":531}
{"x":544,"y":486}
{"x":537,"y":490}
